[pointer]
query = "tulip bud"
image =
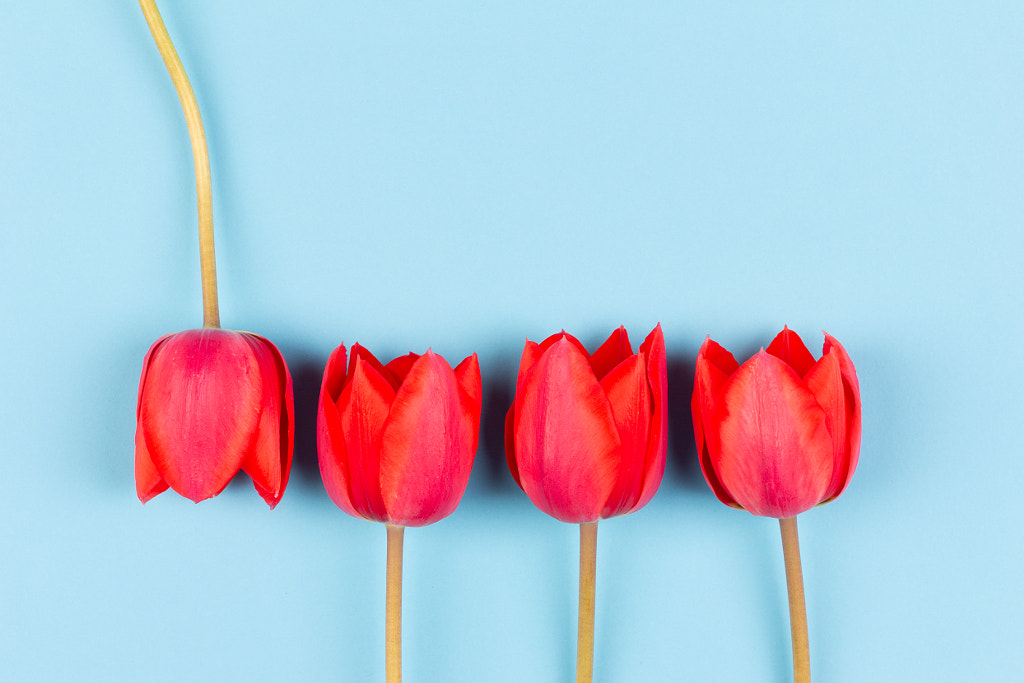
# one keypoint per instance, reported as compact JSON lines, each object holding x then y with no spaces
{"x":780,"y":433}
{"x":396,"y":442}
{"x":586,"y":435}
{"x":211,"y":402}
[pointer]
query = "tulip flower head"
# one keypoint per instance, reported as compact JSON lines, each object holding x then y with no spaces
{"x":780,"y":433}
{"x":396,"y":442}
{"x":585,"y":438}
{"x":212,"y":402}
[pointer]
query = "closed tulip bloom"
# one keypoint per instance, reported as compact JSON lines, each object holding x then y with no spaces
{"x":585,"y":438}
{"x":396,"y":442}
{"x":212,"y":402}
{"x":780,"y":433}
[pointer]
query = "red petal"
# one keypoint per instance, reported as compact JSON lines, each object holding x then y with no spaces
{"x":615,"y":350}
{"x":789,"y":348}
{"x":330,"y":436}
{"x":708,"y":387}
{"x":360,"y":353}
{"x":200,"y":408}
{"x":653,"y":349}
{"x":428,"y":445}
{"x":848,"y":448}
{"x":269,"y":461}
{"x":770,"y":446}
{"x":148,"y":482}
{"x":510,"y":443}
{"x":363,"y":408}
{"x":565,"y":436}
{"x":628,"y":393}
{"x":400,"y":366}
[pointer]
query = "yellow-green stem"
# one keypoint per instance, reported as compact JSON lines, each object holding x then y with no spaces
{"x":797,"y":608}
{"x":200,"y":157}
{"x":588,"y":582}
{"x":393,"y":607}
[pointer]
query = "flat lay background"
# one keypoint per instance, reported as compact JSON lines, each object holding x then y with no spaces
{"x":464,"y":176}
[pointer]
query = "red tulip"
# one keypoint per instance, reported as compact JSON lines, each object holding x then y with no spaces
{"x":780,"y":433}
{"x":586,"y":435}
{"x":396,"y":442}
{"x":211,"y":402}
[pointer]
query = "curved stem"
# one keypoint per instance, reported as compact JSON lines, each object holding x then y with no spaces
{"x":797,"y":608}
{"x":200,"y":157}
{"x":393,"y":607}
{"x":588,"y":582}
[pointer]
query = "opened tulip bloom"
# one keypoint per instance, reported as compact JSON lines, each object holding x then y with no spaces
{"x":586,"y":439}
{"x":777,"y":436}
{"x":212,"y":402}
{"x":396,"y":445}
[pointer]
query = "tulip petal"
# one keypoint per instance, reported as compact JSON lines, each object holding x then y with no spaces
{"x":428,"y":445}
{"x":359,"y":352}
{"x":565,"y":436}
{"x":714,"y":366}
{"x":789,"y":348}
{"x":615,"y":350}
{"x":148,"y":481}
{"x":770,"y":445}
{"x":269,"y":461}
{"x":845,"y":410}
{"x":330,"y":435}
{"x":653,"y":351}
{"x":629,"y":395}
{"x":363,"y":408}
{"x":400,"y":367}
{"x":200,"y":408}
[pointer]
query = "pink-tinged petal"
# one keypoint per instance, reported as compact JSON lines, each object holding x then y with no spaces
{"x":771,"y":448}
{"x":629,"y":395}
{"x":363,"y":407}
{"x":330,"y":435}
{"x":200,"y":409}
{"x":428,"y":445}
{"x":510,"y":443}
{"x":269,"y":461}
{"x":467,"y":376}
{"x":653,"y":351}
{"x":400,"y":366}
{"x":789,"y":348}
{"x":615,"y":350}
{"x":565,"y":436}
{"x":847,"y":464}
{"x":708,"y":388}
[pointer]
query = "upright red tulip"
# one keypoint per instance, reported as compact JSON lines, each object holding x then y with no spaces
{"x":585,"y":438}
{"x":211,"y":402}
{"x":780,"y":433}
{"x":397,"y":441}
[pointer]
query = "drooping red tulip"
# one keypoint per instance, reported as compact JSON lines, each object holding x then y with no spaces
{"x":586,"y":436}
{"x":397,"y":441}
{"x":780,"y":433}
{"x":212,"y":402}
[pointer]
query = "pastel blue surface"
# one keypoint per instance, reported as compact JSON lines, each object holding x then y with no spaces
{"x":465,"y":176}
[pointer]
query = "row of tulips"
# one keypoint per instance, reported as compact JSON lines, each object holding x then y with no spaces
{"x":585,"y":436}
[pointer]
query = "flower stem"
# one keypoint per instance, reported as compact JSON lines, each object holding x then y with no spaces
{"x":588,"y":580}
{"x":797,"y":609}
{"x":393,"y":607}
{"x":200,"y":157}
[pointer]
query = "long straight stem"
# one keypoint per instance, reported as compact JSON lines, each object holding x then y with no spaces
{"x":200,"y":158}
{"x":588,"y":583}
{"x":393,"y":607}
{"x":797,"y":608}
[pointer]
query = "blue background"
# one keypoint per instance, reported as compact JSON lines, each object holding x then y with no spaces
{"x":466,"y":175}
